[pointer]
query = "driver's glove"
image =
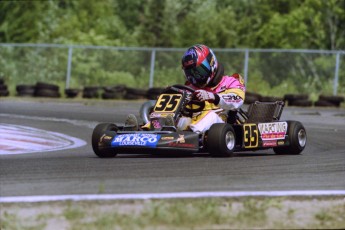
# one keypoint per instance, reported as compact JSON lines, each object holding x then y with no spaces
{"x":203,"y":95}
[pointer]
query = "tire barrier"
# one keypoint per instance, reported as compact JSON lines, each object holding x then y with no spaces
{"x":297,"y":99}
{"x":134,"y":94}
{"x":121,"y":91}
{"x":47,"y":90}
{"x":252,"y":97}
{"x":25,"y":90}
{"x":289,"y":99}
{"x":72,"y":93}
{"x":153,"y":93}
{"x":114,"y":92}
{"x":270,"y":99}
{"x":91,"y":92}
{"x":329,"y":101}
{"x":302,"y":103}
{"x":3,"y":88}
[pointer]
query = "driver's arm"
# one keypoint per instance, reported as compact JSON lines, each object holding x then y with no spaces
{"x":230,"y":99}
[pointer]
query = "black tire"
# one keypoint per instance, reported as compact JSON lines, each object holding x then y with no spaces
{"x":42,"y":85}
{"x":270,"y":99}
{"x":47,"y":93}
{"x":133,"y":97}
{"x":26,"y":88}
{"x":333,"y":99}
{"x":153,"y":93}
{"x":3,"y":87}
{"x":221,"y":140}
{"x":112,"y":95}
{"x":251,"y":97}
{"x":4,"y":93}
{"x":322,"y":103}
{"x":297,"y":139}
{"x":291,"y":98}
{"x":90,"y":94}
{"x":97,"y":134}
{"x":133,"y":94}
{"x":71,"y":93}
{"x":302,"y":103}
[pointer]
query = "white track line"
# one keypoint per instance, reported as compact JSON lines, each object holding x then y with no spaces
{"x":18,"y":139}
{"x":144,"y":196}
{"x":83,"y":123}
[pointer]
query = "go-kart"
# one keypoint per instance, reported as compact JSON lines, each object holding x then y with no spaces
{"x":257,"y":128}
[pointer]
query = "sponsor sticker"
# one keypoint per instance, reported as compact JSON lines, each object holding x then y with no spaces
{"x":181,"y":145}
{"x":232,"y":97}
{"x":139,"y":139}
{"x":273,"y":131}
{"x":167,"y":138}
{"x":180,"y":139}
{"x":269,"y":143}
{"x":281,"y":143}
{"x":156,"y":124}
{"x":105,"y":138}
{"x":159,"y":115}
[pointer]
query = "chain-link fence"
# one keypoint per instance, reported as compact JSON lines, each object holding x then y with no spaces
{"x":267,"y":71}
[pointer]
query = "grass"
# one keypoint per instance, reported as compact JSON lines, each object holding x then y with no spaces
{"x":201,"y":213}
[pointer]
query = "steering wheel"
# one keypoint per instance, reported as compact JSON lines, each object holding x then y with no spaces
{"x":178,"y":88}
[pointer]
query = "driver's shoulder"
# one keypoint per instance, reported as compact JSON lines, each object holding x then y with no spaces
{"x":231,"y":80}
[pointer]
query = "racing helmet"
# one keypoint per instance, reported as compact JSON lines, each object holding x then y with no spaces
{"x":199,"y":65}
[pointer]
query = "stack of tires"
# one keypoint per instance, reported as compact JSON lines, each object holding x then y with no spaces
{"x":297,"y":100}
{"x":3,"y":88}
{"x":270,"y":99}
{"x":289,"y":99}
{"x":25,"y":90}
{"x":135,"y":94}
{"x":47,"y":90}
{"x":72,"y":93}
{"x":114,"y":92}
{"x":329,"y":101}
{"x":153,"y":93}
{"x":91,"y":92}
{"x":251,"y":97}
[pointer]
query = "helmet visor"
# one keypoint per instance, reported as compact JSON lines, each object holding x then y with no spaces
{"x":198,"y":75}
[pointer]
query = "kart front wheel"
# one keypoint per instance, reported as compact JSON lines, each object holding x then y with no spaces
{"x":98,"y":133}
{"x":297,"y":137}
{"x":221,"y":140}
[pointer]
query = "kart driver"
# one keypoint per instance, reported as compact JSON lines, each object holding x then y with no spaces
{"x":220,"y":92}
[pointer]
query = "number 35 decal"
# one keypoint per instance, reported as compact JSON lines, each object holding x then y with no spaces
{"x":250,"y":136}
{"x":167,"y":102}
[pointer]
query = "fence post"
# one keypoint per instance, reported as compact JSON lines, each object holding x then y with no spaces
{"x":152,"y":68}
{"x":69,"y":65}
{"x":245,"y":70}
{"x":336,"y":74}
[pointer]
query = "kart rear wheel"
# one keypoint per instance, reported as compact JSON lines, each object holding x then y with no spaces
{"x":97,"y":134}
{"x":221,"y":140}
{"x":297,"y":139}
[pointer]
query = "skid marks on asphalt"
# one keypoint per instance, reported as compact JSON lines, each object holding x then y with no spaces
{"x":17,"y":139}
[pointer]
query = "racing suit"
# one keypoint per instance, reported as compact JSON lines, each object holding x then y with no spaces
{"x":229,"y":95}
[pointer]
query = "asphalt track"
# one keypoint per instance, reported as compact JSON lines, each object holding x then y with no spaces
{"x":79,"y":171}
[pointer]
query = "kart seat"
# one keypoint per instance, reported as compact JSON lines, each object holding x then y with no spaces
{"x":264,"y":111}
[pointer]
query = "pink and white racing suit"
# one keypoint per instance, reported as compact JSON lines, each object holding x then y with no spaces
{"x":231,"y":92}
